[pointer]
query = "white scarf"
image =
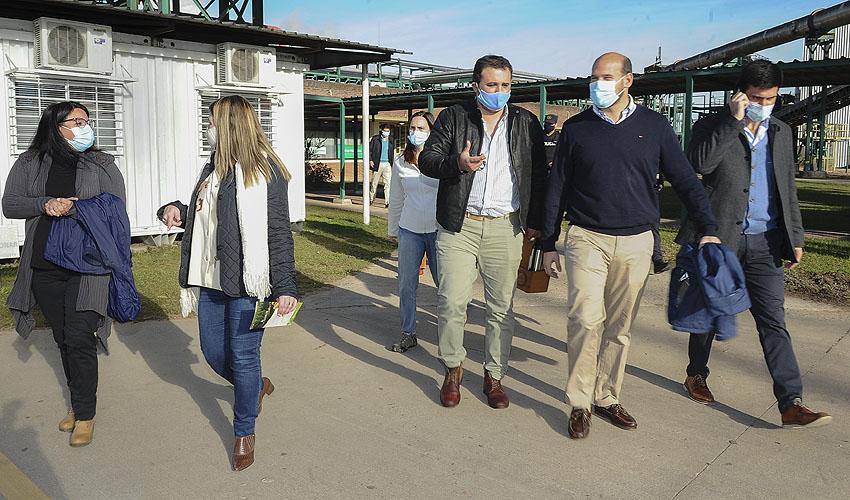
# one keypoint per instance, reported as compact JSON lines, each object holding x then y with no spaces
{"x":253,"y":215}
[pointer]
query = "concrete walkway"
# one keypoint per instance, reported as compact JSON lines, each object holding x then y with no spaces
{"x":350,"y":419}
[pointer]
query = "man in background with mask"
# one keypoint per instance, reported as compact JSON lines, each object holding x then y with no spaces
{"x":491,"y":163}
{"x":746,"y":159}
{"x":604,"y":177}
{"x":381,"y":152}
{"x":550,"y":137}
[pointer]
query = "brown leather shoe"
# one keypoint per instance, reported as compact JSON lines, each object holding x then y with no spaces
{"x":83,"y":433}
{"x":496,"y":396}
{"x":579,"y":426}
{"x":617,"y":415}
{"x":243,"y":452}
{"x":798,"y":416}
{"x":698,"y":389}
{"x":67,"y":423}
{"x":267,"y":390}
{"x":450,"y":392}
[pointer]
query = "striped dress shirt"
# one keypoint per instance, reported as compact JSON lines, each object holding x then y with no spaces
{"x":494,"y":192}
{"x":625,"y":114}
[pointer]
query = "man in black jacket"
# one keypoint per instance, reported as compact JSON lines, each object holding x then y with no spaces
{"x":381,"y":152}
{"x":491,"y":163}
{"x":746,"y":159}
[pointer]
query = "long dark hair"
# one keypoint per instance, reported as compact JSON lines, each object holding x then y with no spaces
{"x":48,"y":139}
{"x":410,"y":150}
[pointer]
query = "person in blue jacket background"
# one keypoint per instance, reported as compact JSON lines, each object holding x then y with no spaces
{"x":61,"y":167}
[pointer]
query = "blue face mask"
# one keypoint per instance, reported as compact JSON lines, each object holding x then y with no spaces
{"x":417,"y":137}
{"x":494,"y":101}
{"x":604,"y":93}
{"x":758,"y":113}
{"x":83,"y":138}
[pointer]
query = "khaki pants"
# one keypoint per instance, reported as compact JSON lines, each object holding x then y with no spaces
{"x":605,"y":280}
{"x":492,"y":249}
{"x":383,"y":174}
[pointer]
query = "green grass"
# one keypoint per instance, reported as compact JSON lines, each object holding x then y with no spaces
{"x":333,"y":245}
{"x":825,"y":206}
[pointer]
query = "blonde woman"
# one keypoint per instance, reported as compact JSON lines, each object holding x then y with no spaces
{"x":237,"y":249}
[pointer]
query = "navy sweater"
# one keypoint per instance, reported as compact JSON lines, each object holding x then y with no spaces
{"x":603,"y":176}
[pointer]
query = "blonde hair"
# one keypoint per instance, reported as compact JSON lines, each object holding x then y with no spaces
{"x":240,"y":138}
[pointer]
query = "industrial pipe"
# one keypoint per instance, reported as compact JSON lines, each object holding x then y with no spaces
{"x":815,"y":23}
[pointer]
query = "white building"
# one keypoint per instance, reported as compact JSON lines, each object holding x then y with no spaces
{"x":149,"y":95}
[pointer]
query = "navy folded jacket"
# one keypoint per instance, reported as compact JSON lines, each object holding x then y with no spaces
{"x":707,"y":289}
{"x":97,"y":241}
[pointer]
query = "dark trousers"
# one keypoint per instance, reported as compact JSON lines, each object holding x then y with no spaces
{"x":657,"y":254}
{"x":74,"y":332}
{"x":760,"y":258}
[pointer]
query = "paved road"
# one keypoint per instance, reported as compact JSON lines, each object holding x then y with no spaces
{"x":351,"y":420}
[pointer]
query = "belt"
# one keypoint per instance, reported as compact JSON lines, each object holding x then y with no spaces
{"x":488,"y":217}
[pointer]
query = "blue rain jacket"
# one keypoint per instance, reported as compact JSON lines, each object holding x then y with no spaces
{"x":97,"y":241}
{"x":707,"y":289}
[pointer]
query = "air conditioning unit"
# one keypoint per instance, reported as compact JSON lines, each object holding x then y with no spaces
{"x":245,"y":65}
{"x":71,"y":46}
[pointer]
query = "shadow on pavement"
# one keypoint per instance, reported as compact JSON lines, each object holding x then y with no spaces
{"x":26,"y":434}
{"x":166,"y":350}
{"x":676,"y":388}
{"x":42,"y":341}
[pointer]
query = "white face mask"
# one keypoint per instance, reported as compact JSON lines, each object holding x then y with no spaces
{"x":604,"y":93}
{"x":385,"y":133}
{"x":212,"y":136}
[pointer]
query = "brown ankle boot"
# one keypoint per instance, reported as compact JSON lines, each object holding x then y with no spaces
{"x":243,"y":452}
{"x":83,"y":433}
{"x":496,"y":396}
{"x":450,"y":392}
{"x":267,"y":390}
{"x":67,"y":423}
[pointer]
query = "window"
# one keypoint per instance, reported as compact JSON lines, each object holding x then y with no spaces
{"x":261,"y":103}
{"x":29,"y":96}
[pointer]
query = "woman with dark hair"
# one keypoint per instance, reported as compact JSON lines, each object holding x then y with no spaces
{"x":237,"y":249}
{"x":61,"y":167}
{"x":412,"y":219}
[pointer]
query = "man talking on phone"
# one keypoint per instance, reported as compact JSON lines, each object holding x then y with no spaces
{"x":747,"y":164}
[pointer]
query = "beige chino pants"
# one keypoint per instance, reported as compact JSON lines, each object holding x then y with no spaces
{"x":606,"y":276}
{"x":492,"y":249}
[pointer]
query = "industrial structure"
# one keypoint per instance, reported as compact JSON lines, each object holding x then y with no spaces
{"x":148,"y":71}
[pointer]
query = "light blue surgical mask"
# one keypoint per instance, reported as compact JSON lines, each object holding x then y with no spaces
{"x":417,"y":137}
{"x":83,"y":138}
{"x":494,"y":101}
{"x":758,"y":113}
{"x":604,"y":93}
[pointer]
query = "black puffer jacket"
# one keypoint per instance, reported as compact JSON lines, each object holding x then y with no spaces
{"x":462,"y":122}
{"x":229,"y":239}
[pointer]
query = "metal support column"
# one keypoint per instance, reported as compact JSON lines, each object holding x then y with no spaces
{"x":689,"y":105}
{"x":821,"y":134}
{"x":430,"y":103}
{"x":544,"y":98}
{"x":354,"y":133}
{"x":256,"y":13}
{"x":341,"y":151}
{"x":366,"y":181}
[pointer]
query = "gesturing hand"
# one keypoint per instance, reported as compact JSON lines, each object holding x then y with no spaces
{"x":285,"y":304}
{"x":59,"y":207}
{"x":171,"y":217}
{"x":738,"y":105}
{"x":468,"y":163}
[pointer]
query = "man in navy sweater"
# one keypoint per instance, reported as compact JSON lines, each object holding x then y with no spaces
{"x":604,"y":177}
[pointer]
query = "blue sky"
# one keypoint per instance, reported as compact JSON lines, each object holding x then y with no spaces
{"x":553,"y":37}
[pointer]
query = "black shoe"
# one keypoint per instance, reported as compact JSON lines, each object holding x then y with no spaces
{"x":660,"y":266}
{"x":406,"y":342}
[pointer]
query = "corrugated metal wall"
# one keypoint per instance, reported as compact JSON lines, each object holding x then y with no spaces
{"x":841,"y":48}
{"x":162,"y":132}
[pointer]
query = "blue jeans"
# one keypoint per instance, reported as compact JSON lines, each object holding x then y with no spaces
{"x":411,"y":248}
{"x":233,"y":351}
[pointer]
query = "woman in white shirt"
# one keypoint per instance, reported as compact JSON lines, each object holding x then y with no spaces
{"x":237,"y":249}
{"x":412,"y":219}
